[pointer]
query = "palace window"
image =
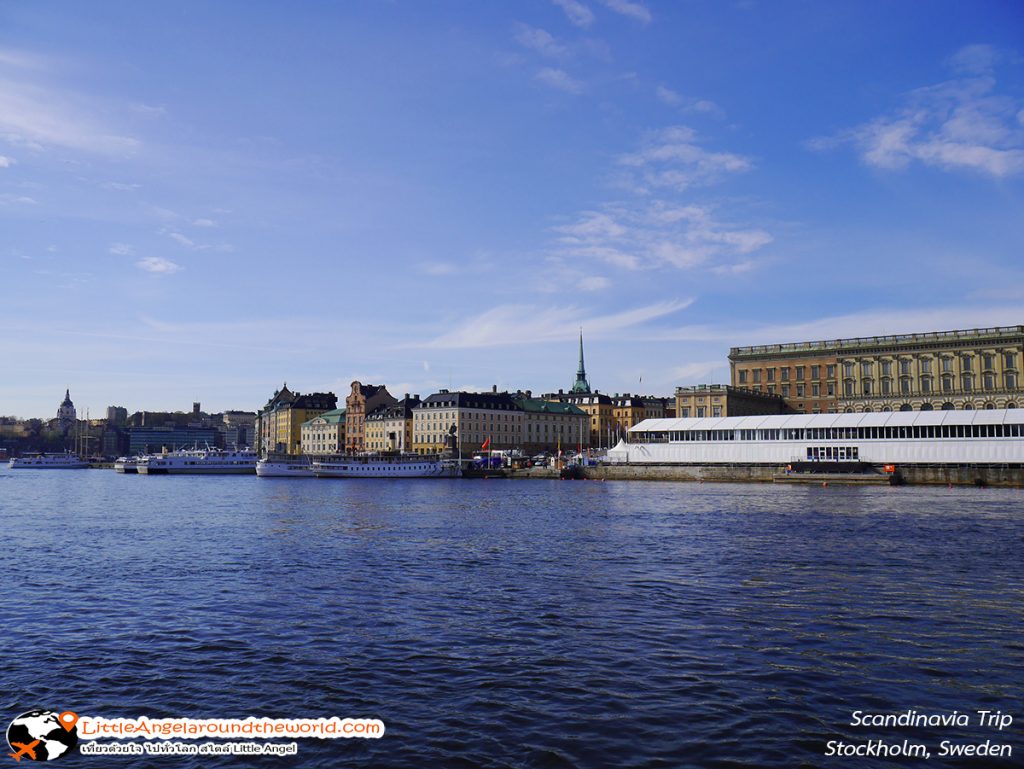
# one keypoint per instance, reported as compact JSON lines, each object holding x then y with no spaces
{"x":989,"y":361}
{"x":966,"y":361}
{"x":905,"y":367}
{"x":785,"y":391}
{"x":716,"y":411}
{"x":887,"y":368}
{"x":799,"y":391}
{"x":785,"y":374}
{"x":743,"y":376}
{"x":866,"y":386}
{"x":990,"y":381}
{"x":886,"y":386}
{"x":905,"y":385}
{"x":947,"y":365}
{"x":848,"y":387}
{"x":1011,"y":380}
{"x":815,"y":390}
{"x":757,"y":375}
{"x":771,"y":375}
{"x":815,"y":372}
{"x":926,"y":384}
{"x":831,"y":371}
{"x":1009,"y":360}
{"x":847,"y":369}
{"x":926,"y":365}
{"x":865,"y":368}
{"x":831,"y":388}
{"x":967,"y":383}
{"x":799,"y":372}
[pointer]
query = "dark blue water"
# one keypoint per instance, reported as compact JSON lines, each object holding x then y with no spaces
{"x":515,"y":623}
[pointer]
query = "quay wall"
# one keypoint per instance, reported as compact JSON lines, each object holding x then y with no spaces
{"x":956,"y":475}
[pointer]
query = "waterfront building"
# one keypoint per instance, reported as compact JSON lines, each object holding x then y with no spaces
{"x":465,"y":421}
{"x":389,"y":428}
{"x":551,"y":426}
{"x":67,"y":417}
{"x":596,"y":405}
{"x":716,"y":400}
{"x":117,"y":416}
{"x":239,"y":428}
{"x":150,"y":440}
{"x":362,"y":400}
{"x":581,"y":385}
{"x":279,"y":422}
{"x":992,"y":437}
{"x":964,"y":369}
{"x":324,"y":433}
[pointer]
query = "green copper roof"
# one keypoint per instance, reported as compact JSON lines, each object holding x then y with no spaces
{"x":337,"y":416}
{"x":549,"y":407}
{"x":581,"y":385}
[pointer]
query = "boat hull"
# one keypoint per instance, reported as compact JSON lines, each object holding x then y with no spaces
{"x":386,"y":467}
{"x":283,"y":469}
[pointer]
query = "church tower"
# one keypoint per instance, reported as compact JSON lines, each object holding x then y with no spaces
{"x":581,"y":385}
{"x":66,"y":416}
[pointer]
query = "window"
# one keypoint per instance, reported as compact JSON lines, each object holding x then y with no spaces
{"x":905,"y":385}
{"x":799,"y":372}
{"x":831,"y":371}
{"x":905,"y":367}
{"x":847,"y":369}
{"x":799,"y":391}
{"x":1011,"y":380}
{"x":947,"y":365}
{"x":785,"y":391}
{"x":831,"y":388}
{"x":866,"y":386}
{"x":771,"y":389}
{"x":771,"y":375}
{"x":947,"y":384}
{"x":686,"y":413}
{"x":815,"y":372}
{"x":865,"y":368}
{"x":716,"y":411}
{"x":700,"y":411}
{"x":990,"y":381}
{"x":926,"y":365}
{"x":1009,"y":360}
{"x":815,"y":390}
{"x":926,"y":384}
{"x":966,"y":362}
{"x":757,"y":375}
{"x":887,"y":368}
{"x":989,"y":361}
{"x":967,"y":383}
{"x":743,"y":376}
{"x":848,"y":387}
{"x":785,"y":373}
{"x":886,"y":386}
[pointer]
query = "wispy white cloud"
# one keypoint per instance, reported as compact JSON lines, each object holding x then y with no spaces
{"x":437,"y":268}
{"x":537,"y":325}
{"x":577,"y":13}
{"x":595,"y":283}
{"x":149,"y":110}
{"x":560,"y":80}
{"x":120,"y":186}
{"x":673,"y":157}
{"x":158,"y":265}
{"x":180,"y":239}
{"x":121,"y":249}
{"x":657,"y":233}
{"x":668,"y":96}
{"x":961,"y":124}
{"x":18,"y":200}
{"x":633,"y":10}
{"x":697,"y":372}
{"x":203,"y":223}
{"x":539,"y":40}
{"x":6,"y":162}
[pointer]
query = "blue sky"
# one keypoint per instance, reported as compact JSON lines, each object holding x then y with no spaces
{"x":199,"y":201}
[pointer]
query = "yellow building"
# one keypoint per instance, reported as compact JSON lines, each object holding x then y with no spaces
{"x":713,"y":400}
{"x":389,"y":428}
{"x":279,"y":422}
{"x":965,"y":369}
{"x":464,"y":421}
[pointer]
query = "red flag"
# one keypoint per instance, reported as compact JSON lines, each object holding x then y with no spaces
{"x":486,"y":444}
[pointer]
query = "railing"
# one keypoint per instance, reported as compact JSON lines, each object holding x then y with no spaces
{"x":835,"y":344}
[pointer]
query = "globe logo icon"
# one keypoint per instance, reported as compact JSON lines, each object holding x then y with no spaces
{"x":42,"y":735}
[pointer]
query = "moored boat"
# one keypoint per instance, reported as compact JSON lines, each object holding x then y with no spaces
{"x":284,"y":467}
{"x":66,"y":461}
{"x":199,"y":462}
{"x":127,"y":465}
{"x":386,"y":466}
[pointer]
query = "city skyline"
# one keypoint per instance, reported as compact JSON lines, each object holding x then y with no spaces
{"x":199,"y":203}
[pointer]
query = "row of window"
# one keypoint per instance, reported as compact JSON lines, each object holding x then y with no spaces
{"x":926,"y":384}
{"x":885,"y":367}
{"x":908,"y":432}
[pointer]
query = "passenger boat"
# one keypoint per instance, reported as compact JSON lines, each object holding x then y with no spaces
{"x":127,"y":465}
{"x":53,"y":461}
{"x":984,"y":436}
{"x":284,"y":467}
{"x":199,"y":462}
{"x":386,"y":466}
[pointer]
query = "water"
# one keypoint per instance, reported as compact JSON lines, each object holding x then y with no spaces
{"x":515,"y":623}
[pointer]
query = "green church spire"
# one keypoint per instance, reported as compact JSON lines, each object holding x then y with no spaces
{"x":581,"y":385}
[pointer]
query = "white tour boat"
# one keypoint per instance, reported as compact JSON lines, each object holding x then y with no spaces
{"x":199,"y":461}
{"x":386,"y":466}
{"x":48,"y":462}
{"x":127,"y":464}
{"x":281,"y":467}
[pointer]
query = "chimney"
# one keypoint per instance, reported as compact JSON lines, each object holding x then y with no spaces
{"x":494,"y":388}
{"x":195,"y":408}
{"x":529,"y":393}
{"x":416,"y":396}
{"x":407,"y":396}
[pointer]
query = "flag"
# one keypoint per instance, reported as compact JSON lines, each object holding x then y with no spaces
{"x":487,"y":443}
